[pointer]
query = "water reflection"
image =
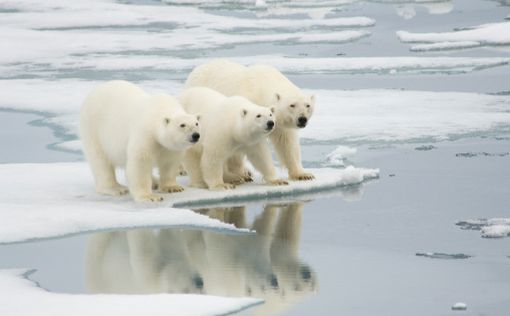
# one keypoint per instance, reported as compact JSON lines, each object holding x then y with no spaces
{"x":264,"y":265}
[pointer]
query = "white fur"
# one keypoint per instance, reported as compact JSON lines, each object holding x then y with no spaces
{"x":122,"y":126}
{"x":268,"y":87}
{"x":232,"y":127}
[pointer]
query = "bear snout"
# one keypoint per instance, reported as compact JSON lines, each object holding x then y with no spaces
{"x":302,"y":121}
{"x":270,"y":125}
{"x":195,"y":137}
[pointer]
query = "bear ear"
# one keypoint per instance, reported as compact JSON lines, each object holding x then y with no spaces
{"x":166,"y":121}
{"x":312,"y":98}
{"x":244,"y":112}
{"x":272,"y":110}
{"x":277,"y":96}
{"x":198,"y":117}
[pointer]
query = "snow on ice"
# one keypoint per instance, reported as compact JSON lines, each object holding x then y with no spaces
{"x":492,"y":34}
{"x":341,"y":116}
{"x":489,"y":228}
{"x":50,"y":200}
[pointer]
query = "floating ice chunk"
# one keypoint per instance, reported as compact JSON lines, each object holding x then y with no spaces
{"x":338,"y":156}
{"x":489,"y":228}
{"x":444,"y":46}
{"x":439,"y":255}
{"x":50,"y":200}
{"x":425,"y":147}
{"x":21,"y":296}
{"x":484,"y":35}
{"x":459,"y":306}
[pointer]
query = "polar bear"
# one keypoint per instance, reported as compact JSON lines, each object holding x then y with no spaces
{"x":232,"y":126}
{"x":123,"y":126}
{"x":265,"y":86}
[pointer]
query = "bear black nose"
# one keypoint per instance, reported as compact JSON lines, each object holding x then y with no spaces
{"x":195,"y":137}
{"x":302,"y":121}
{"x":270,"y":124}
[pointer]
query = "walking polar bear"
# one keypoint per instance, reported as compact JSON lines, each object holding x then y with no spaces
{"x":232,"y":127}
{"x":265,"y":86}
{"x":122,"y":126}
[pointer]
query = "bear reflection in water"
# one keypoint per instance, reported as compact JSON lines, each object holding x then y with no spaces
{"x":264,"y":265}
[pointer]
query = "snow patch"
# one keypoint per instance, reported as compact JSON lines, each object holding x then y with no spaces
{"x":21,"y":296}
{"x":51,"y":200}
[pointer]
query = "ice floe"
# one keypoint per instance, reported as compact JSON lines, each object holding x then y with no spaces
{"x":337,"y":157}
{"x":492,"y":34}
{"x":440,"y":255}
{"x":489,"y":228}
{"x":74,"y":28}
{"x":340,"y":65}
{"x":21,"y":296}
{"x":51,"y":200}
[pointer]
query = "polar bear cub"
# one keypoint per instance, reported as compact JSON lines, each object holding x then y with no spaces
{"x":232,"y":126}
{"x":123,"y":126}
{"x":268,"y":87}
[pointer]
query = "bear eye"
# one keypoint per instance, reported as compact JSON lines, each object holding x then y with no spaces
{"x":196,"y":124}
{"x":259,"y":115}
{"x":183,"y":125}
{"x":292,"y":105}
{"x":308,"y":105}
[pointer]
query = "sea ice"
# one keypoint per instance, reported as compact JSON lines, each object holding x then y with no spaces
{"x":21,"y":296}
{"x":337,"y":157}
{"x":341,"y":116}
{"x":489,"y":228}
{"x":459,"y":306}
{"x":56,"y":199}
{"x":482,"y":35}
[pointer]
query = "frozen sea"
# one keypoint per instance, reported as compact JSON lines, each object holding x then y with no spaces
{"x":418,"y":89}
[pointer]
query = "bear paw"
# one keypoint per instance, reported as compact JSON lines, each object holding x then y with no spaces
{"x":149,"y":198}
{"x":223,"y":186}
{"x":233,"y":179}
{"x":278,"y":182}
{"x":302,"y":176}
{"x":116,"y":190}
{"x":172,"y":188}
{"x":247,"y":176}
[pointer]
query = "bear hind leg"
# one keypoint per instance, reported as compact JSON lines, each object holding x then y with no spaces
{"x":104,"y":173}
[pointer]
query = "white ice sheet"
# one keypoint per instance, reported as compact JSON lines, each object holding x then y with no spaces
{"x":50,"y":200}
{"x":20,"y":296}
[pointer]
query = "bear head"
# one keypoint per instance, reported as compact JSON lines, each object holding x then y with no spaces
{"x":293,"y":111}
{"x":255,"y":122}
{"x":178,"y":132}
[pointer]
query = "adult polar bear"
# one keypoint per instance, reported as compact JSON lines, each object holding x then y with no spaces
{"x":122,"y":126}
{"x":265,"y":86}
{"x":231,"y":126}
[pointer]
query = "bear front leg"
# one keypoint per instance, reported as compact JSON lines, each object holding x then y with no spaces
{"x":139,"y":176}
{"x":212,"y":170}
{"x":288,"y":150}
{"x":235,"y":165}
{"x":192,"y":164}
{"x":168,"y":170}
{"x":260,"y":156}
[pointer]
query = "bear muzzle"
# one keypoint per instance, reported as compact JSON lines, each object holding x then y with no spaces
{"x":195,"y":137}
{"x":270,"y":125}
{"x":301,"y":122}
